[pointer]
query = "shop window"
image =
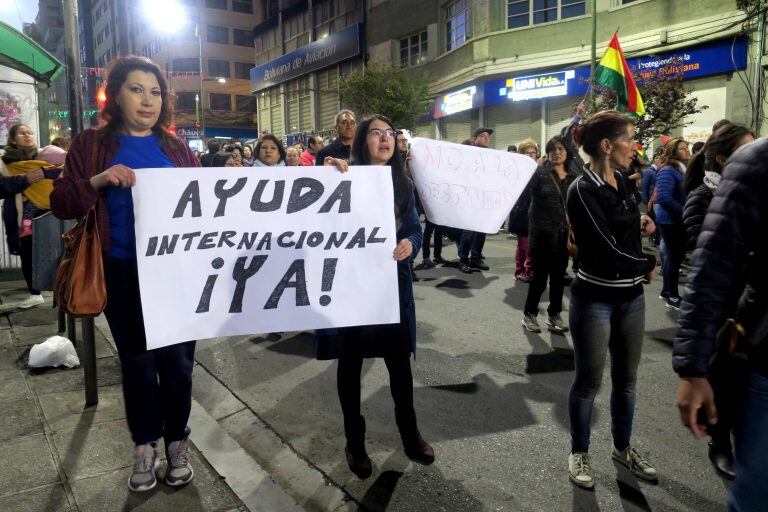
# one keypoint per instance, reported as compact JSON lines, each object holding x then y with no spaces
{"x":457,"y":26}
{"x":218,"y":68}
{"x":245,"y":103}
{"x":220,"y":101}
{"x":241,"y":6}
{"x":522,"y":13}
{"x":216,"y":4}
{"x":243,"y":70}
{"x":185,"y":100}
{"x":242,"y":37}
{"x":218,"y":34}
{"x":413,"y":50}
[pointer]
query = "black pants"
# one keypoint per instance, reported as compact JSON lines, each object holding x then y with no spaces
{"x":157,"y":384}
{"x":550,"y":260}
{"x":430,"y":228}
{"x":25,"y":253}
{"x":401,"y":387}
{"x":675,"y":238}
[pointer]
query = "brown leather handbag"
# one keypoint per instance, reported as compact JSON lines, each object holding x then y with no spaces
{"x":80,"y":288}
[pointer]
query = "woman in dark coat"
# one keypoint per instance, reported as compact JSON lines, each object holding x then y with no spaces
{"x":548,"y":234}
{"x":374,"y":144}
{"x":701,"y":181}
{"x":703,"y":175}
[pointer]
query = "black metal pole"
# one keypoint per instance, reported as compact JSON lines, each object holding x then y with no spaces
{"x":89,"y":362}
{"x":62,"y":322}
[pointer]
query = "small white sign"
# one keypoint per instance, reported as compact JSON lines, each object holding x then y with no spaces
{"x":231,"y":251}
{"x":468,"y":187}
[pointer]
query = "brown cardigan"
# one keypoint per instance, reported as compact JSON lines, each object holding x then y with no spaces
{"x":73,"y":194}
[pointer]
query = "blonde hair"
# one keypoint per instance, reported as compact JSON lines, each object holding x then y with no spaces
{"x":527,"y":145}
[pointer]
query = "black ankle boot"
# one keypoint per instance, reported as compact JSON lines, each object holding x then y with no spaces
{"x":417,"y":449}
{"x":359,"y":463}
{"x":721,"y":458}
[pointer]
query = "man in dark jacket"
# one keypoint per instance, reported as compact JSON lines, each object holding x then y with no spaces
{"x":732,"y":245}
{"x":342,"y":144}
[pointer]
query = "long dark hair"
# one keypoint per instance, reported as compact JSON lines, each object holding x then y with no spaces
{"x":269,"y":136}
{"x":723,"y":142}
{"x":112,"y":114}
{"x":669,"y":153}
{"x":400,"y":182}
{"x":12,"y":151}
{"x":552,"y":144}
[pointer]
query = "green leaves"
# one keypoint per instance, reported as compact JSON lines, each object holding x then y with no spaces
{"x":387,"y":90}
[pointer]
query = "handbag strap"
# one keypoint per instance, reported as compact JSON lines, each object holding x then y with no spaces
{"x":562,"y":198}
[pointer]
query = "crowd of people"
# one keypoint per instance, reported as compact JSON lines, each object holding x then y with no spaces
{"x":594,"y":213}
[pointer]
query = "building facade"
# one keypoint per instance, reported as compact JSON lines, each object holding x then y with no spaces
{"x":302,"y":50}
{"x":206,"y":53}
{"x":521,"y":66}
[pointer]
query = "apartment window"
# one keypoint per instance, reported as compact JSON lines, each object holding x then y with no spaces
{"x":413,"y":50}
{"x":522,"y":13}
{"x":624,"y":2}
{"x":457,"y":26}
{"x":220,"y":101}
{"x":218,"y":34}
{"x":216,"y":4}
{"x":243,"y":70}
{"x":245,"y":103}
{"x":185,"y":100}
{"x":242,"y":37}
{"x":218,"y":68}
{"x":241,"y":6}
{"x":191,"y":65}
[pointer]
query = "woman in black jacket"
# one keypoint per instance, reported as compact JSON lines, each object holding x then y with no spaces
{"x":374,"y":144}
{"x":607,"y":310}
{"x":548,"y":235}
{"x":701,"y":181}
{"x":703,"y":175}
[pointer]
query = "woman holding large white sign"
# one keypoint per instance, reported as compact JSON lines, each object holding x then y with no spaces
{"x":374,"y":144}
{"x":157,"y":384}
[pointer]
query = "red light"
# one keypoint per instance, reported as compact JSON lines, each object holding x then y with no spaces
{"x":101,"y":96}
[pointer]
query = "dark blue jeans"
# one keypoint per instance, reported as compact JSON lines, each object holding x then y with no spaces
{"x":674,"y":238}
{"x":470,"y":245}
{"x":157,"y":384}
{"x":429,"y":229}
{"x":749,"y":492}
{"x":597,"y":328}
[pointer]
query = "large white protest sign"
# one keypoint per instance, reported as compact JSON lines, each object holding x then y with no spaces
{"x":229,"y":251}
{"x":468,"y":187}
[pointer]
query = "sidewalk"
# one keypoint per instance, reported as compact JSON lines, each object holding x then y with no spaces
{"x":59,"y":456}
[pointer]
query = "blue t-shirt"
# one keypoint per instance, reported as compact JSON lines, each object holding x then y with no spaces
{"x":135,"y":153}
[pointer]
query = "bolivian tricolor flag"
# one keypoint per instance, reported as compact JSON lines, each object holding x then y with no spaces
{"x":613,"y":73}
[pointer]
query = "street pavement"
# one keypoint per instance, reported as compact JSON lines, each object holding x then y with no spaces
{"x":267,"y":428}
{"x":490,"y":397}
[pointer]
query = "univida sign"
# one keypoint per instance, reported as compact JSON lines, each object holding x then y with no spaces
{"x":316,"y":55}
{"x":537,"y":86}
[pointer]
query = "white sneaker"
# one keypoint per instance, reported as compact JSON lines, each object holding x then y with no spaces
{"x":580,"y":470}
{"x":636,"y":463}
{"x":31,"y":301}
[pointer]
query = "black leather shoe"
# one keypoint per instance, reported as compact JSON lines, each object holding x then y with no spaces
{"x":418,"y":450}
{"x":479,"y":265}
{"x":359,"y":464}
{"x":464,"y":267}
{"x":722,"y":461}
{"x":440,"y":260}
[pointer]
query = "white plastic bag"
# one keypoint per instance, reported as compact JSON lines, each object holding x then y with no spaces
{"x":55,"y":351}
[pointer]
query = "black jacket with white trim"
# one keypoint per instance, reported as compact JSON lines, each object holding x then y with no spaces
{"x":606,"y":226}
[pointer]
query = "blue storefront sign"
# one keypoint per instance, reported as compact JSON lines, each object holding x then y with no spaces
{"x":715,"y":58}
{"x":316,"y":55}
